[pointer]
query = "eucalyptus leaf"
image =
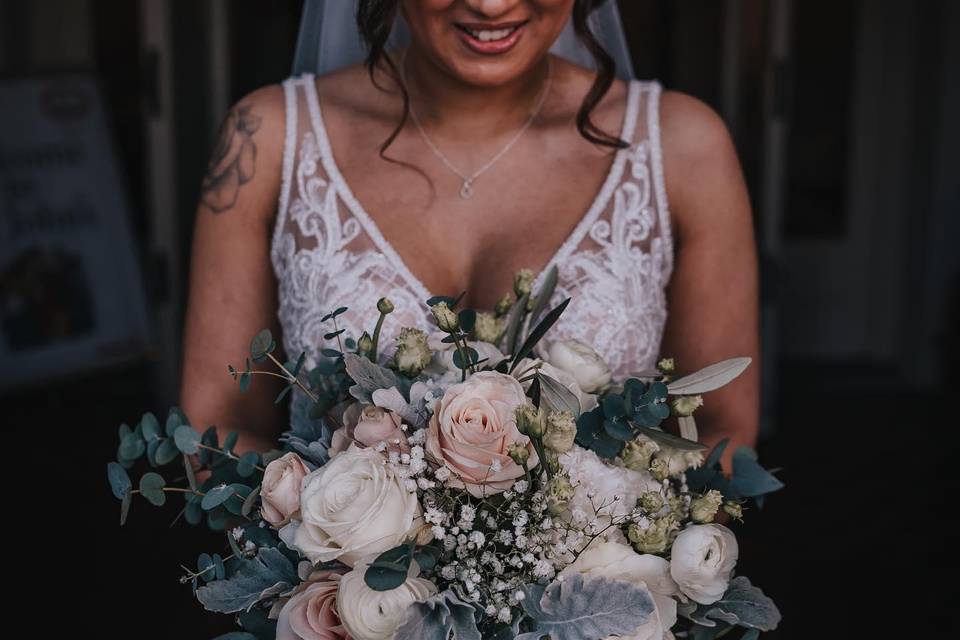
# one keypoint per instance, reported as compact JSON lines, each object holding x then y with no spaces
{"x":191,"y":476}
{"x":187,"y":439}
{"x":174,"y":419}
{"x":167,"y":452}
{"x":131,"y":447}
{"x":467,"y":319}
{"x":151,"y":488}
{"x":247,"y":465}
{"x":717,"y":453}
{"x":581,"y":609}
{"x":261,"y":345}
{"x":750,"y":479}
{"x":267,"y":575}
{"x":557,"y":397}
{"x":709,"y":378}
{"x":250,"y":502}
{"x":216,"y":497}
{"x":125,"y":507}
{"x":150,"y":427}
{"x":119,"y":480}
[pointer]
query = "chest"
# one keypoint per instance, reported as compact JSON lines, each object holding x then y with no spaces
{"x":522,"y":209}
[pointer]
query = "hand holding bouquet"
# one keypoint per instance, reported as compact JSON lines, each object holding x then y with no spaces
{"x":470,"y":483}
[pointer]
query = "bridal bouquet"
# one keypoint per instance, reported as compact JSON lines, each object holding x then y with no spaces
{"x":470,"y":483}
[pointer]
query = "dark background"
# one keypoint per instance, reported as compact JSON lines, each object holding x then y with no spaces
{"x":845,"y":116}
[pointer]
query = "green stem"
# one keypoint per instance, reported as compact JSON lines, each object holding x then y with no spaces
{"x":228,"y":455}
{"x":289,"y":377}
{"x":376,"y":338}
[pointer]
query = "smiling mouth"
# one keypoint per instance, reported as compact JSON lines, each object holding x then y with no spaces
{"x":490,"y":33}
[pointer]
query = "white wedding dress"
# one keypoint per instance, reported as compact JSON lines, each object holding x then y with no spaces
{"x":328,"y":252}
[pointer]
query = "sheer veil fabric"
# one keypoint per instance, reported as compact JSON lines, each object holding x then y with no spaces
{"x":329,"y":39}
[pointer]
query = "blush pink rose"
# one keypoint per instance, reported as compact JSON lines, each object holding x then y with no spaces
{"x":280,"y":493}
{"x":311,"y":613}
{"x":472,"y":427}
{"x":369,"y":426}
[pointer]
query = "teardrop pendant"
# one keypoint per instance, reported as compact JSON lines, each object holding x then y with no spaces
{"x":466,"y":191}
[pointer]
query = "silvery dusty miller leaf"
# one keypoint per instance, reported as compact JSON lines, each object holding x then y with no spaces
{"x":743,"y":604}
{"x":439,"y":617}
{"x":267,"y":574}
{"x":368,"y":376}
{"x":579,"y":609}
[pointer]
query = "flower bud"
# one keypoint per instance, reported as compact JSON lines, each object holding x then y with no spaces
{"x":561,"y":431}
{"x":518,"y":453}
{"x":413,"y":354}
{"x":678,"y":506}
{"x":685,"y":405}
{"x":530,"y":421}
{"x":704,"y":508}
{"x":637,"y":453}
{"x":503,"y":307}
{"x":446,"y":318}
{"x":660,"y":469}
{"x":655,"y":538}
{"x":651,"y":502}
{"x":666,"y":365}
{"x":523,"y":282}
{"x":488,"y":328}
{"x":734,"y":510}
{"x":384,"y":306}
{"x":559,"y":492}
{"x":365,"y":343}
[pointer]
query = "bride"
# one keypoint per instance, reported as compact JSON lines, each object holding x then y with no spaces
{"x":447,"y":164}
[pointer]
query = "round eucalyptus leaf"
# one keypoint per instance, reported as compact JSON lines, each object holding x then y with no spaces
{"x":151,"y":488}
{"x":193,"y":513}
{"x":220,"y":571}
{"x":217,"y":519}
{"x":174,"y":421}
{"x":261,"y":345}
{"x":231,"y":441}
{"x":191,"y":475}
{"x":149,"y":427}
{"x":131,"y":447}
{"x":216,"y":497}
{"x":167,"y":452}
{"x":209,"y":439}
{"x":119,"y":480}
{"x":250,"y":502}
{"x":125,"y":507}
{"x":235,"y":504}
{"x":205,"y":567}
{"x":385,"y":576}
{"x":187,"y":439}
{"x":152,"y":446}
{"x":247,"y":465}
{"x":124,"y":430}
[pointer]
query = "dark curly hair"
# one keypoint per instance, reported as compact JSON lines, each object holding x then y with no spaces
{"x":375,"y":20}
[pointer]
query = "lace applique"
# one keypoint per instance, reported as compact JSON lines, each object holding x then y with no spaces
{"x":328,"y":253}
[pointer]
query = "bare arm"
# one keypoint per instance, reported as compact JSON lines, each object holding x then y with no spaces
{"x":713,"y":306}
{"x":232,"y":285}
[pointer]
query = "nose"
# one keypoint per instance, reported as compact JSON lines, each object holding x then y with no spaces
{"x":492,"y":8}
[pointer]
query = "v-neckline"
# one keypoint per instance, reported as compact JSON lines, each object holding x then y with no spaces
{"x":383,"y":245}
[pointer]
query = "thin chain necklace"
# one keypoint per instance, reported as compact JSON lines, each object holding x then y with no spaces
{"x":466,"y":189}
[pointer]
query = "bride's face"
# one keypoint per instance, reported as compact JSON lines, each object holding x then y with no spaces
{"x":486,"y":42}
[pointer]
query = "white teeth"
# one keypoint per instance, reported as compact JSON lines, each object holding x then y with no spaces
{"x":488,"y":35}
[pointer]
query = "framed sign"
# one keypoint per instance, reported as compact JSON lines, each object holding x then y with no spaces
{"x":71,"y":293}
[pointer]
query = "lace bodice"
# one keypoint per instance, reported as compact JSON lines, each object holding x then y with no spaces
{"x":328,"y":253}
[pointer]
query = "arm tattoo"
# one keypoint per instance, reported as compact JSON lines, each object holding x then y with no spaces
{"x":234,"y":159}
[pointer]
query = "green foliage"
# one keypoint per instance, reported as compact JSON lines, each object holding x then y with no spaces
{"x":440,"y":617}
{"x":152,"y":488}
{"x":254,"y":580}
{"x":262,"y":345}
{"x":217,"y":496}
{"x":119,"y":480}
{"x":541,"y":330}
{"x":749,"y":479}
{"x":389,"y":569}
{"x":742,"y":605}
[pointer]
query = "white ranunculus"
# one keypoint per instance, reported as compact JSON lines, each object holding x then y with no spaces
{"x":376,"y":615}
{"x":617,"y":561}
{"x":352,"y":507}
{"x":702,"y":561}
{"x":582,"y":362}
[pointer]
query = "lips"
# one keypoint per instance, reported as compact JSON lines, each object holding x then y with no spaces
{"x":491,"y":39}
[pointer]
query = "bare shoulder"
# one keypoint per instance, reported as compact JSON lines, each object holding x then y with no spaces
{"x":696,"y":142}
{"x":245,"y":164}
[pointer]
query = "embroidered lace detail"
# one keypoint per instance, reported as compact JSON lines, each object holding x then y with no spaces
{"x":327,"y":252}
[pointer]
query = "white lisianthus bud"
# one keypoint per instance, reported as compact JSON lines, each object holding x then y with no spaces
{"x":559,"y":492}
{"x":685,"y":405}
{"x":703,"y":509}
{"x":636,"y":454}
{"x":413,"y":353}
{"x":666,"y":365}
{"x":384,"y":306}
{"x":523,"y":282}
{"x":488,"y":328}
{"x":503,"y":306}
{"x":518,"y":453}
{"x":660,"y":469}
{"x":655,"y":538}
{"x":582,"y":362}
{"x":446,"y":318}
{"x":734,"y":510}
{"x":561,"y":431}
{"x":650,"y":501}
{"x":530,"y":421}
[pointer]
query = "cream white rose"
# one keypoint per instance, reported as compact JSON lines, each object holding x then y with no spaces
{"x":352,"y":507}
{"x":617,"y":561}
{"x":280,"y":493}
{"x":582,"y":362}
{"x":702,"y":561}
{"x":376,"y":615}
